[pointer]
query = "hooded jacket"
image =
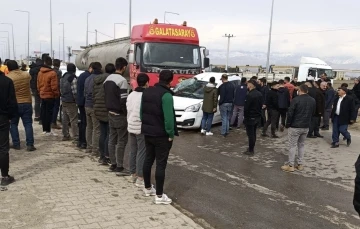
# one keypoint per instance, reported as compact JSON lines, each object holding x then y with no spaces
{"x":283,"y":98}
{"x":80,"y":101}
{"x":88,"y":89}
{"x":100,"y":110}
{"x":210,"y":98}
{"x":21,"y":81}
{"x":47,"y":83}
{"x":68,"y":87}
{"x":34,"y":71}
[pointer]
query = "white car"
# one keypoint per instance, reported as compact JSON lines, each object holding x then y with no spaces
{"x":189,"y":95}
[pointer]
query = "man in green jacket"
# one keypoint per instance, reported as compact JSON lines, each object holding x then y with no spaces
{"x":209,"y":107}
{"x":159,"y":128}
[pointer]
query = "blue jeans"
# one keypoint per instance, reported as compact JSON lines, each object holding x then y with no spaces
{"x":56,"y":110}
{"x":225,"y":111}
{"x":25,"y":113}
{"x":339,"y":129}
{"x":206,"y":121}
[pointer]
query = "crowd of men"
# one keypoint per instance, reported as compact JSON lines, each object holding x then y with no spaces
{"x":99,"y":112}
{"x":296,"y":106}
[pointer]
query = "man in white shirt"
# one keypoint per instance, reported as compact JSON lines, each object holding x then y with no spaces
{"x":342,"y":116}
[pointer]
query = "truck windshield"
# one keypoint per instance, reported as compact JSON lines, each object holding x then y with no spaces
{"x":190,"y":88}
{"x":171,"y":55}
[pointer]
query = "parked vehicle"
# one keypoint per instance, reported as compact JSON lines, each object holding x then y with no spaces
{"x":189,"y":95}
{"x":150,"y":49}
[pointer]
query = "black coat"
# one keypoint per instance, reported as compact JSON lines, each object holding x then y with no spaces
{"x":356,"y":200}
{"x":8,"y":102}
{"x":320,"y":103}
{"x":356,"y":90}
{"x":253,"y":107}
{"x":272,"y":100}
{"x":347,"y":109}
{"x":301,"y":109}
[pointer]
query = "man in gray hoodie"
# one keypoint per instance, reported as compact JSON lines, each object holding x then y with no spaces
{"x":209,"y":107}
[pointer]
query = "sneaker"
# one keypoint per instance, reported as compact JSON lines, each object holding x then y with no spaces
{"x":203,"y":131}
{"x":112,"y":168}
{"x":66,"y":138}
{"x":16,"y":147}
{"x":333,"y":146}
{"x":121,"y":172}
{"x":319,"y":136}
{"x":7,"y":180}
{"x":282,"y":128}
{"x":209,"y":134}
{"x":300,"y":167}
{"x":139,"y":183}
{"x":133,"y":178}
{"x":287,"y":168}
{"x":30,"y":148}
{"x":348,"y":142}
{"x":164,"y":199}
{"x":150,"y":192}
{"x":53,"y":134}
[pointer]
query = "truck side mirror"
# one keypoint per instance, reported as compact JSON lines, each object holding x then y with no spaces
{"x":206,"y":52}
{"x":206,"y":62}
{"x":131,"y":54}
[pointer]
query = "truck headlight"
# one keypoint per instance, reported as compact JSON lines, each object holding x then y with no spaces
{"x":193,"y":108}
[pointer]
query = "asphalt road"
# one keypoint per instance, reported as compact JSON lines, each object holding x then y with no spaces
{"x":212,"y":179}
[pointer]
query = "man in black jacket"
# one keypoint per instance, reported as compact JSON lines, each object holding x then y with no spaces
{"x":356,"y":200}
{"x":342,"y":115}
{"x":272,"y":105}
{"x":226,"y":93}
{"x":252,"y":114}
{"x":34,"y":71}
{"x":8,"y":110}
{"x":314,"y":130}
{"x":301,"y":109}
{"x":159,"y":128}
{"x":264,"y":89}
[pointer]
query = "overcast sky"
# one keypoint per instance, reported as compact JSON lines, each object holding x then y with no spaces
{"x":248,"y":20}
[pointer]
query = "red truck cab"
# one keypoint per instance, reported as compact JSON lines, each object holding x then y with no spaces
{"x":156,"y":47}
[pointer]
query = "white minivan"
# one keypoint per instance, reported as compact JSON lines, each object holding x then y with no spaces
{"x":189,"y":95}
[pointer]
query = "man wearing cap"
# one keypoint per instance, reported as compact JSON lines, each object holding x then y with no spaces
{"x":252,"y":114}
{"x":226,"y":92}
{"x":342,"y":115}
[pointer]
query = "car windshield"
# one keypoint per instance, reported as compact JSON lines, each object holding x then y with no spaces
{"x":172,"y":55}
{"x":190,"y":88}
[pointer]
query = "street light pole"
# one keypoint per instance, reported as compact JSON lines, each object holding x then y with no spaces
{"x":130,"y":18}
{"x":166,"y":12}
{"x":63,"y":41}
{"x":115,"y":28}
{"x":59,"y":46}
{"x":96,"y":36}
{"x":13,"y":40}
{"x":269,"y":43}
{"x":87,"y":28}
{"x":23,"y":11}
{"x":8,"y":42}
{"x":6,"y":50}
{"x":228,"y":49}
{"x":51,"y":38}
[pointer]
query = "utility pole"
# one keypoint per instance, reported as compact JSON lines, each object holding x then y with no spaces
{"x":63,"y":40}
{"x":87,"y":28}
{"x":269,"y":44}
{"x":228,"y":49}
{"x":52,"y":51}
{"x":96,"y":36}
{"x":13,"y":40}
{"x":59,"y":47}
{"x":130,"y":18}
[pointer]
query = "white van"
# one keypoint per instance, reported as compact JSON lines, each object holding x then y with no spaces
{"x":189,"y":95}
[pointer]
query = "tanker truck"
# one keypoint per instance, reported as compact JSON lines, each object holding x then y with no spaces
{"x":150,"y":49}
